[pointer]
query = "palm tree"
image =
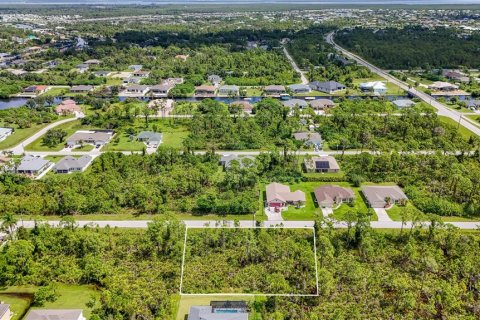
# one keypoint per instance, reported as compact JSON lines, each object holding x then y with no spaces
{"x":9,"y":222}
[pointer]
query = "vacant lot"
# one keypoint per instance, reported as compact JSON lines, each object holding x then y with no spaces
{"x":260,"y":261}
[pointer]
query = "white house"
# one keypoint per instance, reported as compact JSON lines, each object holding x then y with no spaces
{"x":377,"y":87}
{"x":5,"y":132}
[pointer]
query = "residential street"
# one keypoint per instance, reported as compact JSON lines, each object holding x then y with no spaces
{"x":248,"y":224}
{"x":442,"y":110}
{"x":295,"y":67}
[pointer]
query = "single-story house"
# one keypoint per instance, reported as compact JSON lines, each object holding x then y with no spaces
{"x":443,"y":86}
{"x":174,"y":81}
{"x":329,"y":196}
{"x":292,"y":103}
{"x":205,"y":90}
{"x":138,"y":89}
{"x":141,"y":74}
{"x":134,"y":80}
{"x":81,"y":89}
{"x":214,"y":79}
{"x":329,"y":87}
{"x":5,"y":312}
{"x":274,"y":89}
{"x":135,"y":67}
{"x":246,"y":106}
{"x":310,"y":139}
{"x":82,"y":67}
{"x":220,"y":310}
{"x":377,"y":196}
{"x":31,"y":165}
{"x":227,"y":159}
{"x":475,"y":104}
{"x":279,"y":196}
{"x":55,"y":314}
{"x":229,"y":90}
{"x":322,"y":104}
{"x":93,"y":61}
{"x":95,"y":137}
{"x":70,"y":164}
{"x":403,"y":103}
{"x":67,"y":107}
{"x":102,"y":73}
{"x":36,"y":89}
{"x":300,"y":88}
{"x":321,"y":164}
{"x":377,"y":87}
{"x":456,"y":76}
{"x":5,"y":132}
{"x":150,"y":138}
{"x":161,"y":90}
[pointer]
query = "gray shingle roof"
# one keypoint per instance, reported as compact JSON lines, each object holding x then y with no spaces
{"x":150,"y":136}
{"x":4,"y":308}
{"x":60,"y":314}
{"x":70,"y":162}
{"x":32,"y":163}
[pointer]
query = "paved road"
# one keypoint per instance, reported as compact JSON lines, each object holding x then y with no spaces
{"x":248,"y":224}
{"x":20,"y":148}
{"x":295,"y":67}
{"x":442,"y":110}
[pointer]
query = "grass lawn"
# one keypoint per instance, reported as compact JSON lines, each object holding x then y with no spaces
{"x":459,"y":219}
{"x":85,"y":147}
{"x":315,"y":93}
{"x":395,"y":212}
{"x":254,"y":92}
{"x":70,"y":127}
{"x":56,"y":92}
{"x":122,"y":142}
{"x":392,"y":89}
{"x":187,"y":301}
{"x":457,"y":107}
{"x":475,"y":118}
{"x":464,"y":132}
{"x":184,"y":107}
{"x":114,"y":81}
{"x":69,"y":297}
{"x":20,"y":134}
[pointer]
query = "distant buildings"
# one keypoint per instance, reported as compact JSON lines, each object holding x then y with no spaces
{"x":321,"y":164}
{"x":229,"y":90}
{"x":205,"y":90}
{"x":150,"y":138}
{"x":443,"y":86}
{"x":81,"y":89}
{"x":403,"y":103}
{"x":245,"y":105}
{"x":300,"y":88}
{"x":35,"y":90}
{"x":322,"y":104}
{"x":67,"y":107}
{"x":310,"y":139}
{"x":214,"y":79}
{"x":292,"y":103}
{"x":274,"y":90}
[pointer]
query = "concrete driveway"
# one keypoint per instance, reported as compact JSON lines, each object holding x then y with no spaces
{"x":327,"y":211}
{"x":272,"y":215}
{"x":382,"y":214}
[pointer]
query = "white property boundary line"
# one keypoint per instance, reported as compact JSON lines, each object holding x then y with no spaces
{"x":249,"y":294}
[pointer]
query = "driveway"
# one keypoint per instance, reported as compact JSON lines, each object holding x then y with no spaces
{"x":382,"y":214}
{"x":327,"y":211}
{"x":272,"y":215}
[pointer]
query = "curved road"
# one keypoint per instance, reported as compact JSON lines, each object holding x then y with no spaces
{"x":442,"y":110}
{"x":295,"y":66}
{"x":20,"y":148}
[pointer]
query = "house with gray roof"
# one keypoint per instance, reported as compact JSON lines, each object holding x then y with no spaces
{"x":5,"y":312}
{"x":161,"y":90}
{"x":5,"y":132}
{"x":274,"y":89}
{"x":71,"y":164}
{"x":403,"y":103}
{"x":226,"y":160}
{"x":300,"y":88}
{"x":95,"y":137}
{"x":310,"y":139}
{"x":220,"y":310}
{"x":229,"y":90}
{"x":214,"y":79}
{"x":377,"y":196}
{"x":322,"y":104}
{"x":55,"y":314}
{"x":329,"y":87}
{"x":292,"y":103}
{"x":150,"y":138}
{"x":30,"y":165}
{"x":81,"y":89}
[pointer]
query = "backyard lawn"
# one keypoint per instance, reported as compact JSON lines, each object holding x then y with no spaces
{"x":358,"y":205}
{"x":69,"y":297}
{"x":20,"y":134}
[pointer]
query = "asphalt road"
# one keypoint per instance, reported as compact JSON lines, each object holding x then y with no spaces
{"x":295,"y":66}
{"x":248,"y":224}
{"x":442,"y":110}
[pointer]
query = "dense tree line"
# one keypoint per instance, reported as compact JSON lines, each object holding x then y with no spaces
{"x":25,"y":117}
{"x":413,"y":47}
{"x":438,"y":184}
{"x":374,"y":125}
